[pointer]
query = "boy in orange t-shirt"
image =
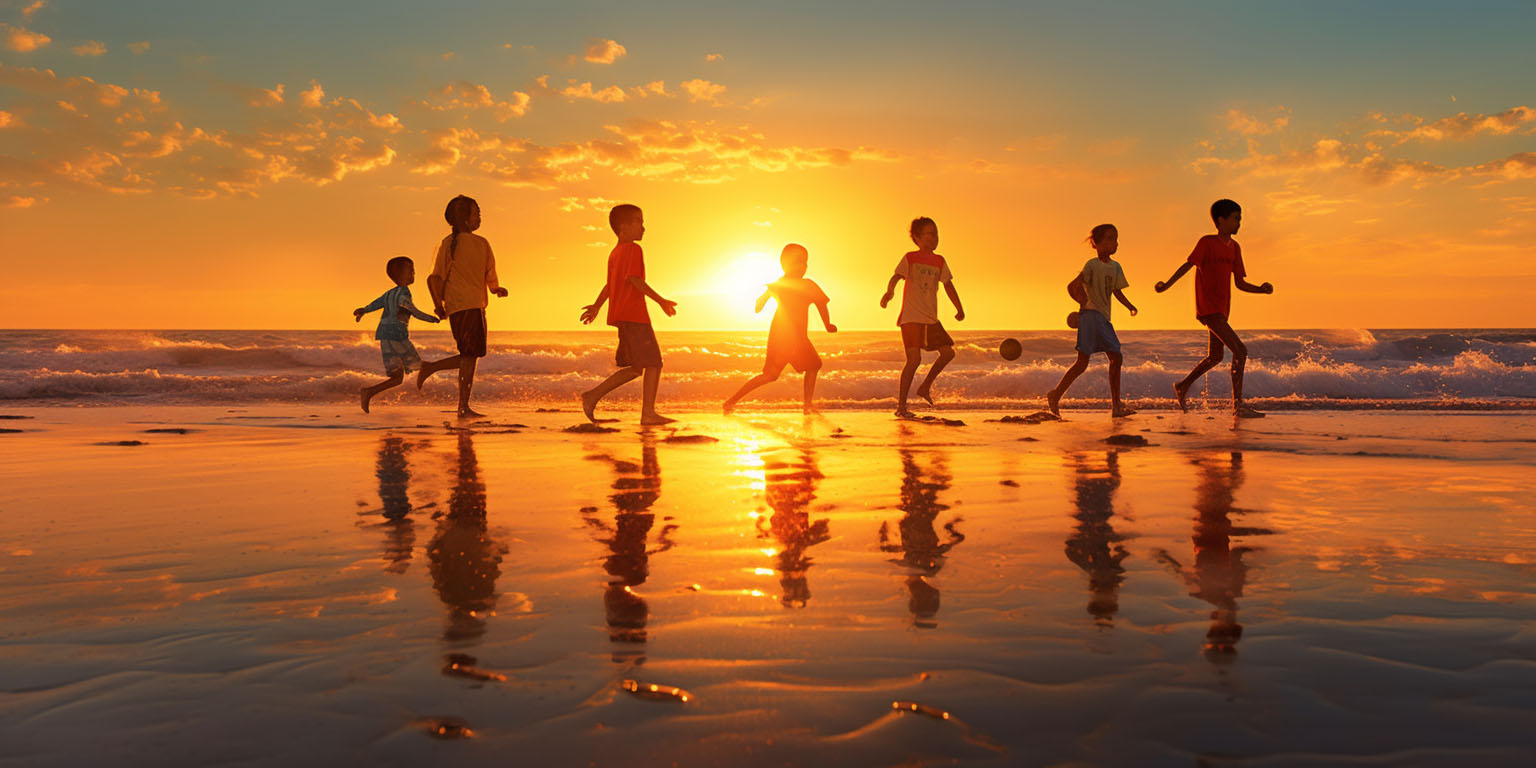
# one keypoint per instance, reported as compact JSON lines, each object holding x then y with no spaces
{"x":1218,"y":262}
{"x":626,"y":291}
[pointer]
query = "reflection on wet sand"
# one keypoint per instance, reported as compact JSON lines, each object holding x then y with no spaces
{"x":789,"y":488}
{"x":394,"y":475}
{"x":1220,"y":574}
{"x":465,"y":560}
{"x":1094,"y":546}
{"x":922,"y":554}
{"x":635,"y":489}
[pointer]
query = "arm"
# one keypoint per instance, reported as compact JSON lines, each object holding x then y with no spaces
{"x":490,"y":274}
{"x":1178,"y":273}
{"x":589,"y":312}
{"x":435,"y":287}
{"x":410,"y":307}
{"x":954,"y":298}
{"x":376,"y":304}
{"x":762,"y":301}
{"x":1247,"y":287}
{"x":669,"y":307}
{"x":890,"y":290}
{"x":826,"y":320}
{"x":1127,"y":302}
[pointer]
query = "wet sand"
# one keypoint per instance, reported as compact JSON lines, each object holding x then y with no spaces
{"x":311,"y":585}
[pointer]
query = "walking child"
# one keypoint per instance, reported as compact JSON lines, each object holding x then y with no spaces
{"x":1101,"y":278}
{"x":393,"y":332}
{"x":923,"y":270}
{"x":1218,"y":262}
{"x":626,"y":291}
{"x":789,"y":340}
{"x":462,"y":272}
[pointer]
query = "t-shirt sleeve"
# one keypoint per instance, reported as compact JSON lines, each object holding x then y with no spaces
{"x":1120,"y":281}
{"x":490,"y":269}
{"x":440,"y":261}
{"x":1237,"y":261}
{"x":904,"y":268}
{"x":631,"y":262}
{"x":944,"y":274}
{"x":1197,"y":256}
{"x":818,"y":296}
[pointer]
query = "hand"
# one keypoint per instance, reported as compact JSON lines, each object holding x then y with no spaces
{"x":669,"y":307}
{"x":588,"y":314}
{"x":1133,"y":311}
{"x":357,"y":315}
{"x":500,"y":292}
{"x":440,"y":311}
{"x":1160,"y":286}
{"x":960,"y":315}
{"x":886,"y":299}
{"x":1266,"y":288}
{"x":831,"y":328}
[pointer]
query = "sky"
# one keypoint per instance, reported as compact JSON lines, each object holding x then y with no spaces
{"x":196,"y":165}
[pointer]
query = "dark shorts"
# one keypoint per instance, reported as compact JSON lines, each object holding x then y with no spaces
{"x":469,"y":331}
{"x":928,"y":336}
{"x":1205,"y":320}
{"x":1095,"y":334}
{"x":637,"y":346}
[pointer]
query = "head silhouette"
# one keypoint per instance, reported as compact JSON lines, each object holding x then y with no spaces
{"x":793,"y":259}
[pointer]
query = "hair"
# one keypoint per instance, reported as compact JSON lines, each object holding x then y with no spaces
{"x":620,"y":213}
{"x":396,"y":267}
{"x":1223,"y":208}
{"x":457,"y":214}
{"x":1100,"y":232}
{"x":919,"y":223}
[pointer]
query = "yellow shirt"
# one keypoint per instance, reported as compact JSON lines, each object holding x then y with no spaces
{"x":468,"y":274}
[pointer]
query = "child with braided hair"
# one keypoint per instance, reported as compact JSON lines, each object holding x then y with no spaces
{"x":463,"y":271}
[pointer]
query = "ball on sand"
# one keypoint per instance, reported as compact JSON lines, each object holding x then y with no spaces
{"x":1011,"y":349}
{"x":1071,"y":319}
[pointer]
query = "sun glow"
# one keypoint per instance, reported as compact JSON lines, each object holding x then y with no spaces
{"x":742,"y":281}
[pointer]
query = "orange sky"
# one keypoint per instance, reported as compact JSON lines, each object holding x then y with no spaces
{"x":154,"y":174}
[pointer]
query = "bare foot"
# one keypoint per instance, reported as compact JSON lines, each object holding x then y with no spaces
{"x":1244,"y":412}
{"x":653,"y":419}
{"x":926,"y":393}
{"x":728,"y":407}
{"x":588,"y":406}
{"x":1053,"y":402}
{"x":1121,"y":412}
{"x":903,"y":413}
{"x":811,"y":410}
{"x":365,"y":397}
{"x":469,"y":413}
{"x":1181,"y":392}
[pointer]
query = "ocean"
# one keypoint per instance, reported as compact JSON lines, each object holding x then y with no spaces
{"x":1443,"y":369}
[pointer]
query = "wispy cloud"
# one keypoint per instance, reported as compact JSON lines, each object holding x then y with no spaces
{"x":19,"y":201}
{"x":32,"y":7}
{"x":139,"y":48}
{"x":601,"y":51}
{"x":90,"y":48}
{"x":465,"y":95}
{"x":1520,"y":166}
{"x":702,"y":90}
{"x":713,"y":57}
{"x":23,"y":40}
{"x":1249,"y":124}
{"x":1462,"y":126}
{"x":314,"y":96}
{"x":584,"y":90}
{"x":266,"y":97}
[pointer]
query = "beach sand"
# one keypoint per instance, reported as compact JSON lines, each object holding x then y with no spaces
{"x":309,"y":585}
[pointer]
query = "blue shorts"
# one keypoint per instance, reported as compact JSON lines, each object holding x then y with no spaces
{"x":1095,"y":334}
{"x":399,"y":356}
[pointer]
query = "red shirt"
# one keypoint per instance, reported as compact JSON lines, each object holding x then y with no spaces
{"x":625,"y":302}
{"x":1217,"y":260}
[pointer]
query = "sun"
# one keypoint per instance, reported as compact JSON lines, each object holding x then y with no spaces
{"x":742,"y":280}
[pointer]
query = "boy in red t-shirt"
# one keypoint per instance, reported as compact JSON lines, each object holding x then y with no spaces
{"x":924,"y":272}
{"x":627,"y":290}
{"x":1219,"y":265}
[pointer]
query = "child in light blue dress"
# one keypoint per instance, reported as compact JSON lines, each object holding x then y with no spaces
{"x":394,"y":329}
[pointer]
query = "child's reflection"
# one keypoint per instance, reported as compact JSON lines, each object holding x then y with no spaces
{"x":464,"y":558}
{"x":789,"y":488}
{"x":635,"y":489}
{"x":1094,"y":546}
{"x":393,"y":471}
{"x":922,"y":554}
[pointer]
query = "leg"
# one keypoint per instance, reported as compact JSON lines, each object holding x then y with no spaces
{"x":394,"y":380}
{"x":1116,"y":409}
{"x":590,"y":397}
{"x":467,"y":365}
{"x":1053,"y":397}
{"x":810,"y":390}
{"x":914,"y":359}
{"x":752,"y":383}
{"x":1223,"y":330}
{"x":649,"y":385}
{"x":1212,"y":359}
{"x":427,"y":369}
{"x":925,"y":389}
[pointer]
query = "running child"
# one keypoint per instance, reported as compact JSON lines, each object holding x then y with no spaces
{"x":461,"y":273}
{"x":1218,"y":262}
{"x":923,"y":270}
{"x":1101,"y":278}
{"x":789,"y":340}
{"x":626,"y":290}
{"x":394,"y":333}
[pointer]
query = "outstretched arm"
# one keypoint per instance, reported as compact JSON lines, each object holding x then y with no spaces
{"x":890,"y":290}
{"x":376,"y":304}
{"x":1178,"y":273}
{"x":1247,"y":287}
{"x":826,"y":319}
{"x":954,"y":298}
{"x":1127,"y":302}
{"x":589,"y":312}
{"x":762,"y":301}
{"x":667,"y":306}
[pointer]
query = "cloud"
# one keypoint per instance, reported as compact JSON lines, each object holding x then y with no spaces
{"x":314,"y":96}
{"x":90,"y":48}
{"x":464,"y":95}
{"x":1247,"y":124}
{"x":610,"y":95}
{"x":600,"y":51}
{"x":7,"y":119}
{"x":264,"y":97}
{"x":1461,"y":126}
{"x":33,"y":7}
{"x":1520,"y":166}
{"x":17,"y":201}
{"x":23,"y":40}
{"x":702,"y":90}
{"x":712,"y":57}
{"x":139,"y":48}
